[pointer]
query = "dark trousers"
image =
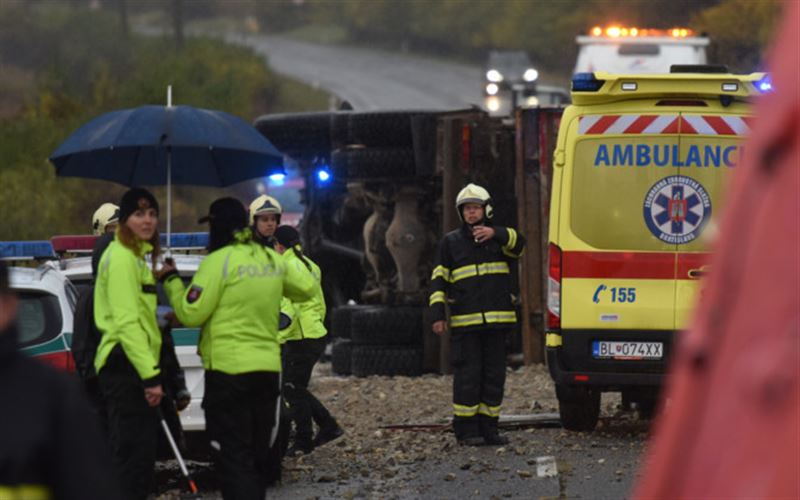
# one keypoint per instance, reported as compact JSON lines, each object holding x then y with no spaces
{"x":479,"y":376}
{"x":241,"y":418}
{"x":133,"y":426}
{"x":299,"y":358}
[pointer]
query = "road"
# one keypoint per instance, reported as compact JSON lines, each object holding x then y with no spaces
{"x":372,"y":79}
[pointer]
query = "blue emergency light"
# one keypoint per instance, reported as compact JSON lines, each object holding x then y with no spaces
{"x":324,"y":175}
{"x":21,"y":250}
{"x":586,"y":82}
{"x":277,"y":178}
{"x":186,"y":240}
{"x":765,"y":84}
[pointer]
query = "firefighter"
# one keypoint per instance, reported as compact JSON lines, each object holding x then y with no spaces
{"x":472,"y":276}
{"x":50,"y":446}
{"x":127,"y":358}
{"x":304,"y":344}
{"x":104,"y":224}
{"x":265,"y":217}
{"x":235,"y":296}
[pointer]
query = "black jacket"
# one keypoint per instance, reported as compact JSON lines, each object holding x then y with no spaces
{"x":474,"y":279}
{"x":49,"y":439}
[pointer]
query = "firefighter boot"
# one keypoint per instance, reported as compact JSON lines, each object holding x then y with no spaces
{"x":488,"y":427}
{"x":466,"y":431}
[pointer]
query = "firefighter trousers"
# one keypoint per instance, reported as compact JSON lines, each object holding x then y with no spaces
{"x":299,"y":358}
{"x":479,"y":375}
{"x":241,"y":420}
{"x":133,"y":426}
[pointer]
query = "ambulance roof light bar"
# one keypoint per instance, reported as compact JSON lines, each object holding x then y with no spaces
{"x":615,"y":31}
{"x":186,"y":241}
{"x":26,"y":250}
{"x":81,"y":243}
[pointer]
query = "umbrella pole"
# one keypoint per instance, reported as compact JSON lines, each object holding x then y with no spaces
{"x":169,"y":203}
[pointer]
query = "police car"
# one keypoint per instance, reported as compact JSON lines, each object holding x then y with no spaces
{"x":79,"y":271}
{"x":46,"y":303}
{"x":639,"y":176}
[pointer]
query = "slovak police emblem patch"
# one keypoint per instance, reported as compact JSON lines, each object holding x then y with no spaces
{"x":194,"y":294}
{"x":676,"y":209}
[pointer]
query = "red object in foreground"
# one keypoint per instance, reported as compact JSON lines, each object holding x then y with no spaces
{"x":732,"y":427}
{"x":77,"y":243}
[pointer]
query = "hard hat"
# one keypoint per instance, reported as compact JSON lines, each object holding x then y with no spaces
{"x":264,"y":205}
{"x":108,"y":213}
{"x":473,"y":193}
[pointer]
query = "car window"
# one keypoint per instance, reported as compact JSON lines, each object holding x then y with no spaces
{"x":38,"y":318}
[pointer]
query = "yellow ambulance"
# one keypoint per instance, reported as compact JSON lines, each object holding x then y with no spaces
{"x":640,"y":171}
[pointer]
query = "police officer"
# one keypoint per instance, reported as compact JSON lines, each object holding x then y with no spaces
{"x":265,"y":217}
{"x":304,"y":344}
{"x":127,"y":359}
{"x":472,"y":275}
{"x":235,"y":295}
{"x":50,"y":446}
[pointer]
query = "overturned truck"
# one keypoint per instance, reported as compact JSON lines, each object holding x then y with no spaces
{"x":380,"y":192}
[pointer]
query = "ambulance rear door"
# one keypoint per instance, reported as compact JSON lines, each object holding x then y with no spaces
{"x":619,"y":274}
{"x":710,"y":149}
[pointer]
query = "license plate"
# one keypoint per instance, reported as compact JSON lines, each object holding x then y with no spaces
{"x":604,"y":349}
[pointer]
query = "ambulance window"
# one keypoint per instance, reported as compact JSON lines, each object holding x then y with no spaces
{"x":638,"y":49}
{"x":609,"y":186}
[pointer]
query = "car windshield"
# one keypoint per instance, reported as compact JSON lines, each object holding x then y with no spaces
{"x":38,"y":318}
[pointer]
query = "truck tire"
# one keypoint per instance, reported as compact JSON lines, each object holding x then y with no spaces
{"x":341,"y":357}
{"x":387,"y":326}
{"x":383,"y":129}
{"x":386,"y":360}
{"x":579,"y":407}
{"x":374,"y":163}
{"x":299,"y":135}
{"x":341,"y":319}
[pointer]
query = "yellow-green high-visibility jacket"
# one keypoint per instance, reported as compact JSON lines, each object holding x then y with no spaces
{"x":235,"y":295}
{"x":125,"y":304}
{"x":291,"y":332}
{"x":309,"y":315}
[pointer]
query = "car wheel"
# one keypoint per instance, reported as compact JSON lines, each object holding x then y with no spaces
{"x":578,"y":406}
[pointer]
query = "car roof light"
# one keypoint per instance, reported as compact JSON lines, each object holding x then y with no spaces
{"x":74,"y":244}
{"x":186,"y":240}
{"x":20,"y":250}
{"x":586,"y":82}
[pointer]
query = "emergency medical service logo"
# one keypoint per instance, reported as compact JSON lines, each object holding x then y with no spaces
{"x":676,"y":209}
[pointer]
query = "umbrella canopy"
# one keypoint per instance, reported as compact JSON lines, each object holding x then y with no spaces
{"x":132,"y":146}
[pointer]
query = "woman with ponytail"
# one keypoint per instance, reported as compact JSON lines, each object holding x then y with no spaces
{"x":303,"y":344}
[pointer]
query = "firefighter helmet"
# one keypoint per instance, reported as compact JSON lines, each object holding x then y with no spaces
{"x":473,"y":193}
{"x":265,"y":205}
{"x":108,"y":213}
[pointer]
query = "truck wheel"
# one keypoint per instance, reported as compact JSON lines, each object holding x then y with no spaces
{"x":300,"y":135}
{"x":341,"y":320}
{"x":374,"y":163}
{"x":386,"y":360}
{"x":579,"y":407}
{"x":388,"y":326}
{"x":383,"y":129}
{"x":341,"y":357}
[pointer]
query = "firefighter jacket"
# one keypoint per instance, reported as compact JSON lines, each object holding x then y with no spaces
{"x":125,"y":302}
{"x":235,"y":296}
{"x":474,"y":279}
{"x":50,"y":443}
{"x":308,"y":316}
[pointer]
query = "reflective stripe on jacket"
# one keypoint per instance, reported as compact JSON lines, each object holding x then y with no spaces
{"x":235,"y":295}
{"x":474,"y":279}
{"x":308,"y":317}
{"x":125,"y":302}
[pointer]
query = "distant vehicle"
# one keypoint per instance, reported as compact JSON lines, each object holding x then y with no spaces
{"x":511,"y":82}
{"x":617,"y":49}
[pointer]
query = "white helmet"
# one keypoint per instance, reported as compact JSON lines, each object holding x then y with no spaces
{"x":473,"y":193}
{"x":108,"y":213}
{"x":265,"y":205}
